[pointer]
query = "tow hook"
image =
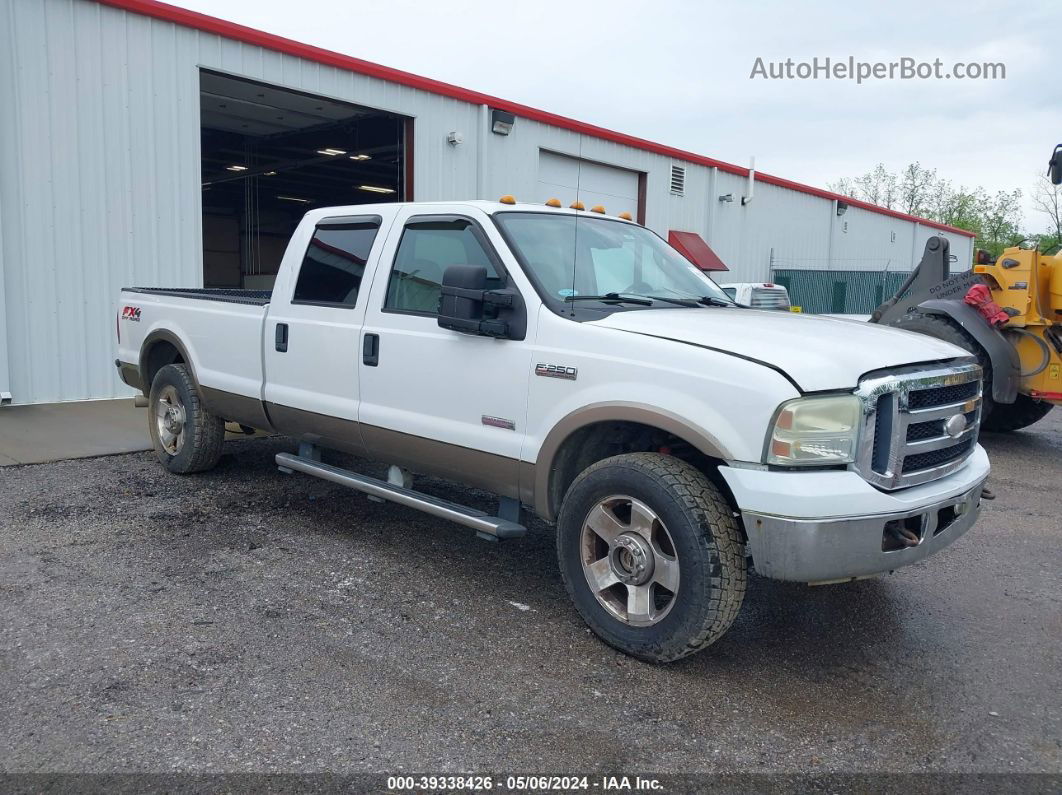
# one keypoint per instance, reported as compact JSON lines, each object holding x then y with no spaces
{"x":902,"y":535}
{"x":987,"y":494}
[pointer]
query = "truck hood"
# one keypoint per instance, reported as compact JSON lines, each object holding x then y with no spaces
{"x":817,"y":353}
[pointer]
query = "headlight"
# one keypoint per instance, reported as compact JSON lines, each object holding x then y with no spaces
{"x":815,"y":430}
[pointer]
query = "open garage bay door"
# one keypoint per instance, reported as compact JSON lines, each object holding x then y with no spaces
{"x":569,"y":178}
{"x":270,"y":154}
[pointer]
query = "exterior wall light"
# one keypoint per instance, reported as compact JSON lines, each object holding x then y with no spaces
{"x":842,"y":208}
{"x":501,"y":122}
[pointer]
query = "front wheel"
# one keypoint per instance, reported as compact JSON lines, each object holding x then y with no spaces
{"x":187,"y":438}
{"x":651,"y":555}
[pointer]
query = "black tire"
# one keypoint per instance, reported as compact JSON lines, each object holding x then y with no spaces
{"x":707,"y":543}
{"x":949,"y":331}
{"x":1023,"y":412}
{"x":203,"y":433}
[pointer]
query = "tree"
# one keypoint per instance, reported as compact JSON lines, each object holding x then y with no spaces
{"x":995,"y":219}
{"x":878,"y":186}
{"x":1047,"y":199}
{"x":1001,"y":218}
{"x":916,"y":185}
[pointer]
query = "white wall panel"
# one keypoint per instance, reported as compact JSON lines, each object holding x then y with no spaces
{"x":100,"y":173}
{"x":568,"y":179}
{"x":5,"y":381}
{"x":868,"y":241}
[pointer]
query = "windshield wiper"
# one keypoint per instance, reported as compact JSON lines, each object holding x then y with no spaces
{"x":694,"y":300}
{"x":701,"y":300}
{"x":617,"y":297}
{"x":711,"y":300}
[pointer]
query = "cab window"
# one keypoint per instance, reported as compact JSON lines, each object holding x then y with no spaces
{"x":426,"y":250}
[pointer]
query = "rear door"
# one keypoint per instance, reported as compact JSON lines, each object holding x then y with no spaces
{"x":436,"y":400}
{"x":311,"y":339}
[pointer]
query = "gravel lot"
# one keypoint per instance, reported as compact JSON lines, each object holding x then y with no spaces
{"x":243,"y":620}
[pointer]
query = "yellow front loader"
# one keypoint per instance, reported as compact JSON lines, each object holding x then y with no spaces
{"x":1006,"y":311}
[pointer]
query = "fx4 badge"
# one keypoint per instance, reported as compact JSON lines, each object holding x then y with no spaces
{"x":131,"y":313}
{"x":556,"y":371}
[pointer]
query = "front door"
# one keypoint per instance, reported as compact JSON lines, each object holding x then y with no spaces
{"x":440,"y":401}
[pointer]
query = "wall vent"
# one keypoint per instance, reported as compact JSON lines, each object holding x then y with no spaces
{"x":678,"y":180}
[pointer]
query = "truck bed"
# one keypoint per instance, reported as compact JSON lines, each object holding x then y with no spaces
{"x":220,"y":329}
{"x":227,"y":294}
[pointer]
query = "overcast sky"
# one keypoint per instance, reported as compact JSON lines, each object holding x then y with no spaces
{"x":678,"y":73}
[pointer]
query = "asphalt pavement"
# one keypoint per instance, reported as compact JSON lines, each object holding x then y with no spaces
{"x":245,"y":620}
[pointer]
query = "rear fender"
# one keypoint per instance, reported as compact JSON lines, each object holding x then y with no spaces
{"x":156,"y":336}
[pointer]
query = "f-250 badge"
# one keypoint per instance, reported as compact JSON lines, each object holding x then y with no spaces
{"x":556,"y":371}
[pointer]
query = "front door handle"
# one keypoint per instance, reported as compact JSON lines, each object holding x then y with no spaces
{"x":281,"y":337}
{"x":370,"y":350}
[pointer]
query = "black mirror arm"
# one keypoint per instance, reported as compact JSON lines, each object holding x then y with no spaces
{"x":482,"y":328}
{"x":497,"y":298}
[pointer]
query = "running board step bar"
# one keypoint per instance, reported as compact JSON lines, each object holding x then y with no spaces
{"x":485,"y":525}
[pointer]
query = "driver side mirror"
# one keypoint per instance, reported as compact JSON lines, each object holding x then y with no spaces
{"x":1055,"y":166}
{"x":466,"y":305}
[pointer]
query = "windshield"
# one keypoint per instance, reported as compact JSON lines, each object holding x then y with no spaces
{"x":577,"y":257}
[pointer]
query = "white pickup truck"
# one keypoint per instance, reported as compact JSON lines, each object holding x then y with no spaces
{"x":576,"y":366}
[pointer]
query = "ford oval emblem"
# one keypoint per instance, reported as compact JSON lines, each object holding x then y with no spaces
{"x":955,"y":425}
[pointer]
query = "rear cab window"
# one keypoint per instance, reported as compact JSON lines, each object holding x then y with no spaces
{"x":334,"y":263}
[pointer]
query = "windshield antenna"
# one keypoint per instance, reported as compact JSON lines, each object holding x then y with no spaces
{"x":575,"y":228}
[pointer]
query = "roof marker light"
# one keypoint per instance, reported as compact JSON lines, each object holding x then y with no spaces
{"x":626,"y":216}
{"x":553,"y":203}
{"x":598,"y":208}
{"x":507,"y":199}
{"x":577,"y":206}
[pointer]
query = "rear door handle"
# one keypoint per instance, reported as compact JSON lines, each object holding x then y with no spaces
{"x":281,"y":337}
{"x":370,"y":350}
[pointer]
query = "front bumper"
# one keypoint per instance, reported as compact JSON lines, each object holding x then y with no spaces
{"x":808,"y":526}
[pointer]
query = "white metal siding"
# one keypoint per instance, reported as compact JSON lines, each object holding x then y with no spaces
{"x":568,"y":179}
{"x":5,"y":381}
{"x":100,"y":172}
{"x":100,"y":180}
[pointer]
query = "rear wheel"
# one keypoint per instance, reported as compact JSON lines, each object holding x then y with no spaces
{"x":651,"y":555}
{"x":187,"y":438}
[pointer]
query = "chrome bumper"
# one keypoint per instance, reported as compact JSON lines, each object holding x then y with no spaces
{"x":843,"y":548}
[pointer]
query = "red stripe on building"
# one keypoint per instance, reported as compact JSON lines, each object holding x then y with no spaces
{"x":269,"y":41}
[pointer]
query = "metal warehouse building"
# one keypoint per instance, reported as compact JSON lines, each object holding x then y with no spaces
{"x":142,"y":144}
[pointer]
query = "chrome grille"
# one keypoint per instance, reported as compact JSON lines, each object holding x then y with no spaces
{"x":905,"y":436}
